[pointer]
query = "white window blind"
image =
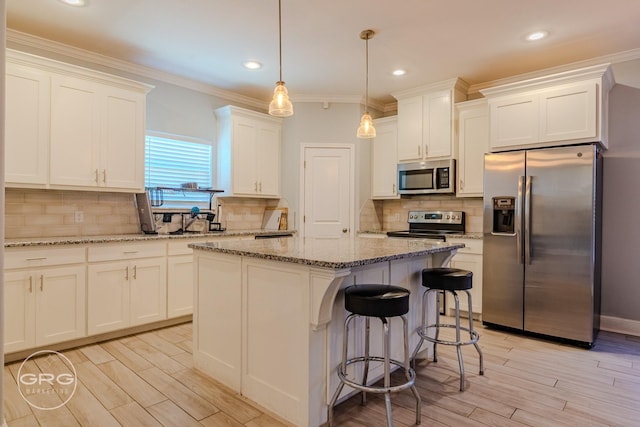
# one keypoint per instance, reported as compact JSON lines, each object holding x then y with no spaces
{"x":171,"y":161}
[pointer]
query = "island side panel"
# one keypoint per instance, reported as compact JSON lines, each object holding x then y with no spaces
{"x":276,"y":340}
{"x":217,"y":317}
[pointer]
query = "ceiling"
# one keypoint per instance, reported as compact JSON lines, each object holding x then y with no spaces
{"x":323,"y":55}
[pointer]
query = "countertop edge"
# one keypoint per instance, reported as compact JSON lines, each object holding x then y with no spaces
{"x":61,"y":241}
{"x":324,"y":264}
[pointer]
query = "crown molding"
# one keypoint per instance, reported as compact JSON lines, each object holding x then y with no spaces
{"x":337,"y":99}
{"x":19,"y":40}
{"x":629,"y":55}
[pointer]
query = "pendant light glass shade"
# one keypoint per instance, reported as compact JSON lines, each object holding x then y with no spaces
{"x":366,"y":129}
{"x":280,"y":105}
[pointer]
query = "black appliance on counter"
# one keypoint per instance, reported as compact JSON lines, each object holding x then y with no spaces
{"x":432,"y":225}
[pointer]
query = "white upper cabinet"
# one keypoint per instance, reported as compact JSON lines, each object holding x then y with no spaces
{"x":28,"y":102}
{"x":103,"y":126}
{"x":560,"y":109}
{"x":89,"y":127}
{"x":249,"y":151}
{"x":384,"y":168}
{"x":473,"y":143}
{"x":426,"y":120}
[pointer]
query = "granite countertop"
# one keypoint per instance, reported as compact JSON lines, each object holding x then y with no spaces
{"x":52,"y":241}
{"x":342,"y":252}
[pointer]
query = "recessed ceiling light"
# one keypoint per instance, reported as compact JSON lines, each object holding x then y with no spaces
{"x":536,"y":35}
{"x":399,"y":72}
{"x":75,"y":2}
{"x":252,"y":65}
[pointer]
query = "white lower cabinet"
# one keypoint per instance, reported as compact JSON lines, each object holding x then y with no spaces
{"x":468,"y":258}
{"x":44,"y":303}
{"x":127,"y":286}
{"x":180,"y":274}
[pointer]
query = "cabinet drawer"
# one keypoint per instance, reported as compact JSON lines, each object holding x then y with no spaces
{"x":113,"y":252}
{"x":38,"y":257}
{"x":182,"y":247}
{"x":472,"y":246}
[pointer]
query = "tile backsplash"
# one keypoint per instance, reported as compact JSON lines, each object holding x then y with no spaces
{"x":385,"y":215}
{"x":52,"y":213}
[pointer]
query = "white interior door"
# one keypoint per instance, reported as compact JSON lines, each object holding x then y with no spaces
{"x":328,"y":198}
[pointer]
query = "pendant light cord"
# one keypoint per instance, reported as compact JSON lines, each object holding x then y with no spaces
{"x":366,"y":89}
{"x":280,"y":35}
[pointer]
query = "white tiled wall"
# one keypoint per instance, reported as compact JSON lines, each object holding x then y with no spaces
{"x":388,"y":215}
{"x":51,"y":213}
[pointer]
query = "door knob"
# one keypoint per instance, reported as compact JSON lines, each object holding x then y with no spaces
{"x":344,"y":230}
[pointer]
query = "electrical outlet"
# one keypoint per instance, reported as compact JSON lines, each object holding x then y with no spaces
{"x":78,"y":216}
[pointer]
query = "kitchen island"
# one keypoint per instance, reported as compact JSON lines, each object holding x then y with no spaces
{"x":268,"y":314}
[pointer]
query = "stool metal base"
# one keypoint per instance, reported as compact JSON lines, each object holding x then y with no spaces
{"x":386,"y":388}
{"x":423,"y":332}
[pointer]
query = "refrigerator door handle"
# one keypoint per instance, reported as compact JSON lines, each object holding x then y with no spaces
{"x":518,"y":221}
{"x":527,"y":221}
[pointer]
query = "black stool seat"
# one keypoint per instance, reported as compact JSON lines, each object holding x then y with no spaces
{"x":440,"y":281}
{"x":377,"y":300}
{"x":388,"y":304}
{"x":447,"y":279}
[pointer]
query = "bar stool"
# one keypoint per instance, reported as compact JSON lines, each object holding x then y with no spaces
{"x":383,"y":302}
{"x":449,"y":280}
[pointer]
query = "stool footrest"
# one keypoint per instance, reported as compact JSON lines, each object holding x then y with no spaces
{"x":423,"y":332}
{"x":376,"y":389}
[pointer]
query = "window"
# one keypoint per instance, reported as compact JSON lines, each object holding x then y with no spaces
{"x":171,"y":161}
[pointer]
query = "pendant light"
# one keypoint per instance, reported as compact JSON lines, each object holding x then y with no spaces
{"x":366,"y":129}
{"x":280,"y":105}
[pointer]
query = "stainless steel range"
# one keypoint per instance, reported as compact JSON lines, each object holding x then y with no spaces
{"x":432,"y":225}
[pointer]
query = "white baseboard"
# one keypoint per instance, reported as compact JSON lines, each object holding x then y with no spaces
{"x":622,"y":326}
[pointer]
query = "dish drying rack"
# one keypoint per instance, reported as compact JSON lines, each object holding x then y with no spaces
{"x":156,"y":194}
{"x":156,"y":199}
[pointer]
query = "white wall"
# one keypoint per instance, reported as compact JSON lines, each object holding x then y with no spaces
{"x":312,"y":123}
{"x":621,"y":205}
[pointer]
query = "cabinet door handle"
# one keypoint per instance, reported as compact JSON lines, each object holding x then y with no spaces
{"x":36,"y":259}
{"x":41,"y":282}
{"x":30,"y":284}
{"x":104,"y":176}
{"x":260,"y":187}
{"x":394,"y":189}
{"x":255,"y":186}
{"x":419,"y":150}
{"x":462,"y":184}
{"x":135,"y":271}
{"x":97,"y":180}
{"x":126,"y":273}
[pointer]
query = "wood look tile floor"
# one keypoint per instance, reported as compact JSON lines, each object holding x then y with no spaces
{"x":149,"y":380}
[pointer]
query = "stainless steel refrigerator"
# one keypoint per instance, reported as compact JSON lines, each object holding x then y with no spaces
{"x":541,"y":247}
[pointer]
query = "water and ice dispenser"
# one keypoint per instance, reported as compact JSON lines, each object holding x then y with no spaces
{"x":504,"y":209}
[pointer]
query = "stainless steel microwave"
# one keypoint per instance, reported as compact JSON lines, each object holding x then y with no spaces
{"x":428,"y":177}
